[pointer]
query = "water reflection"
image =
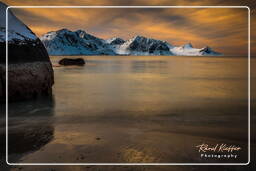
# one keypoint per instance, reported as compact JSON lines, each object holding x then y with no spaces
{"x":30,"y":126}
{"x":134,"y":109}
{"x":104,"y":66}
{"x":145,"y":66}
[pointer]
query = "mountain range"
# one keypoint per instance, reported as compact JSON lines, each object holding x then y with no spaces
{"x":66,"y":42}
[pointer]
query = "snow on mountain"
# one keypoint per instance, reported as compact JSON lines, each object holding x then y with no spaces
{"x":187,"y":46}
{"x":188,"y":50}
{"x":17,"y":30}
{"x":66,"y":42}
{"x":208,"y":51}
{"x":140,"y":45}
{"x":115,"y":41}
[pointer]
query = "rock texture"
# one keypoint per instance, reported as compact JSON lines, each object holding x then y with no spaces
{"x":30,"y":72}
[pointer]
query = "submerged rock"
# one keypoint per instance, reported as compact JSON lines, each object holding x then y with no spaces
{"x":67,"y":61}
{"x":30,"y":72}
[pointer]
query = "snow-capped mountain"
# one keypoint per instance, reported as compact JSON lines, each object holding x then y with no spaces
{"x":208,"y":51}
{"x":66,"y":42}
{"x":140,"y":45}
{"x":189,"y":50}
{"x":115,"y":41}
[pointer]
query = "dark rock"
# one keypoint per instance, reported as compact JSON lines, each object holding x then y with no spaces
{"x":30,"y":72}
{"x":68,"y":61}
{"x":206,"y":50}
{"x":24,"y":51}
{"x":117,"y":41}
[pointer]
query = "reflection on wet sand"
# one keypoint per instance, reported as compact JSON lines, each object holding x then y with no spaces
{"x":29,"y":127}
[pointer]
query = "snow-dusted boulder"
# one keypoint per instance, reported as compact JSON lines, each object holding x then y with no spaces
{"x":30,"y":72}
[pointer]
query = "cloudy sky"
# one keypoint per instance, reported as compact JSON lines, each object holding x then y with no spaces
{"x":225,"y":30}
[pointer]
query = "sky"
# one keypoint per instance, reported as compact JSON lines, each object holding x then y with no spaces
{"x":225,"y":30}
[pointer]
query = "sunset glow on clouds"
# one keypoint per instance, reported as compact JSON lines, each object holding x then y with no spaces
{"x":225,"y":30}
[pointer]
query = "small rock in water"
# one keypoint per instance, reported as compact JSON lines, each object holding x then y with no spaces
{"x":67,"y":61}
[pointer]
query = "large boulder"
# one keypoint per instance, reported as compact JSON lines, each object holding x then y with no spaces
{"x":30,"y":72}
